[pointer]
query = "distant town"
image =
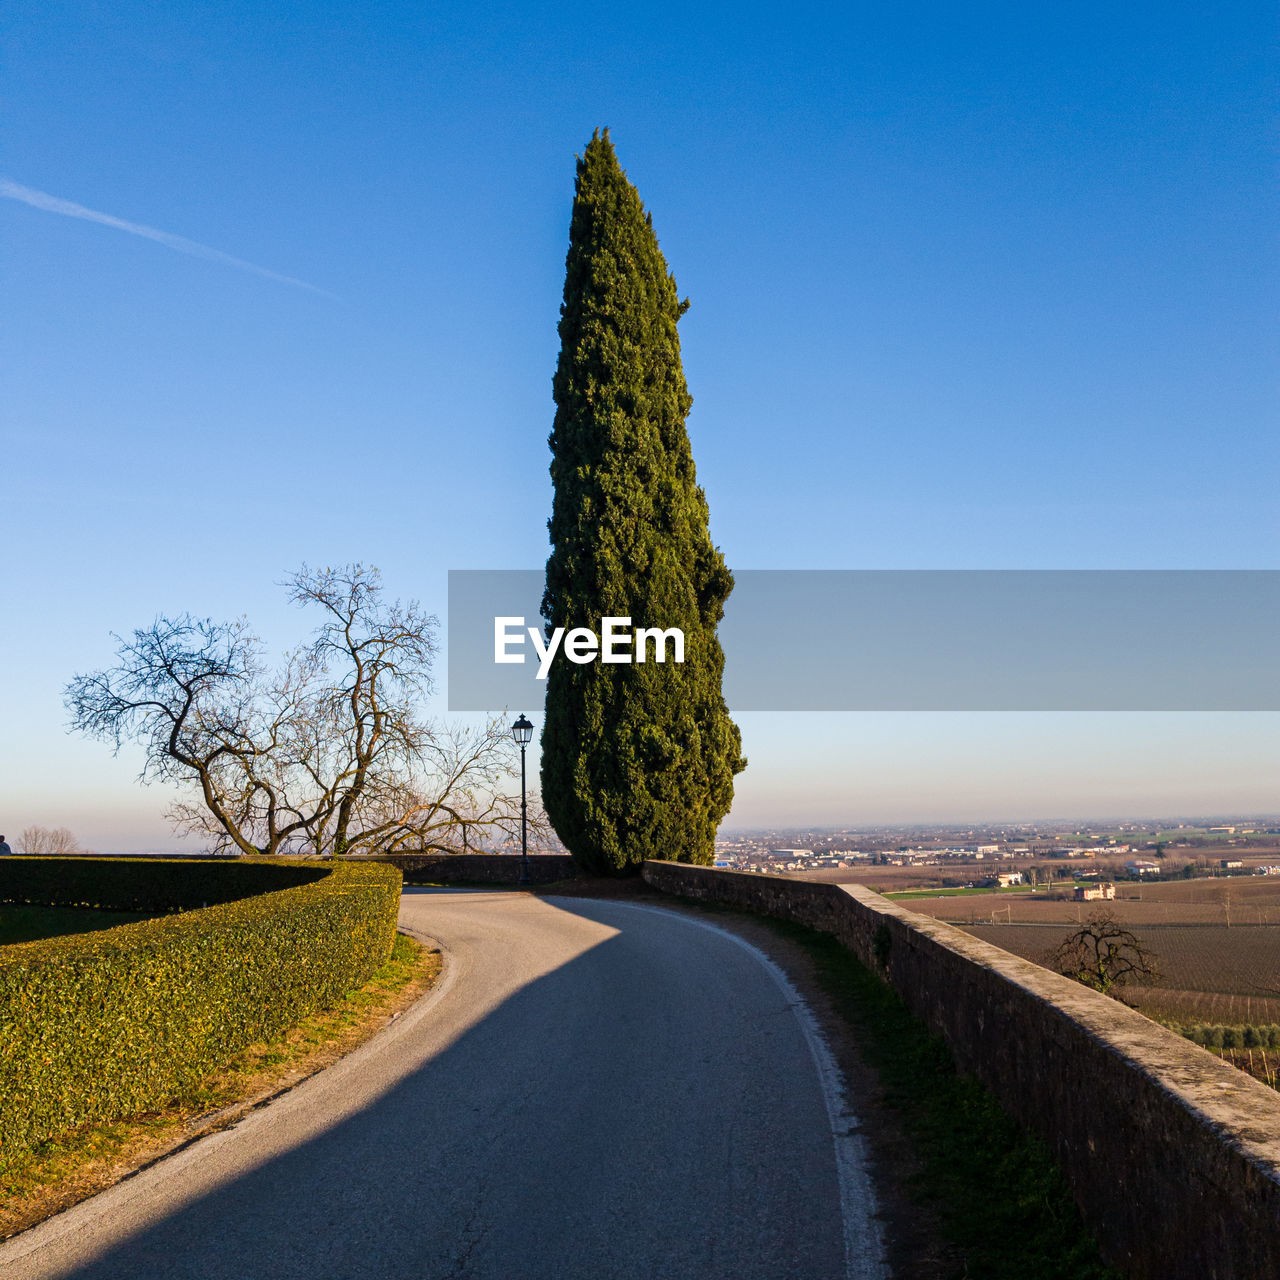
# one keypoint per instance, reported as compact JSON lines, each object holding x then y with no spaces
{"x":1004,"y":855}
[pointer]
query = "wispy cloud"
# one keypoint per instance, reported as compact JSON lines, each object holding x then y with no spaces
{"x":69,"y":209}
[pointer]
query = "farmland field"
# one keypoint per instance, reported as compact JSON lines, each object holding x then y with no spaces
{"x":895,"y":879}
{"x":1216,"y":939}
{"x":1238,"y":900}
{"x":1209,"y":972}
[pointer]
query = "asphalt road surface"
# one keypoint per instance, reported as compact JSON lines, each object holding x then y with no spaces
{"x":594,"y":1090}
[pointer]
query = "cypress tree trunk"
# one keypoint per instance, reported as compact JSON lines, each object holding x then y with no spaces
{"x":638,"y":760}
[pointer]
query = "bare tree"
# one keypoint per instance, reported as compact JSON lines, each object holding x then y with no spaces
{"x":325,"y":754}
{"x":57,"y":841}
{"x":1104,"y":955}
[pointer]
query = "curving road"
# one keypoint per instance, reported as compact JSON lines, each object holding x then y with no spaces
{"x":594,"y":1090}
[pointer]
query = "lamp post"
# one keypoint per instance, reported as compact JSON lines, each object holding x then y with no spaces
{"x":522,"y":732}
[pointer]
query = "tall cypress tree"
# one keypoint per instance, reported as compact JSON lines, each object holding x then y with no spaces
{"x":637,"y":760}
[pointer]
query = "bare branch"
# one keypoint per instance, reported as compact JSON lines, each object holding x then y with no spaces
{"x":57,"y":841}
{"x":325,"y":754}
{"x":1104,"y":955}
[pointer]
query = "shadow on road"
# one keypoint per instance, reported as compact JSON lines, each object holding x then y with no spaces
{"x":647,"y":1109}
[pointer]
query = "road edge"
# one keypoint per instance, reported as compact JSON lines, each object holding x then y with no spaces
{"x":862,"y":1228}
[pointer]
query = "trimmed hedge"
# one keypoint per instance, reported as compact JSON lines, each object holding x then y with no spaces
{"x":100,"y":1026}
{"x":147,"y":884}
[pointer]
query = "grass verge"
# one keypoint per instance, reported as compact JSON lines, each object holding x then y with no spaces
{"x":999,"y":1198}
{"x":79,"y":1164}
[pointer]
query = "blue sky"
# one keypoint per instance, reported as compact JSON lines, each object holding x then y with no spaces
{"x":973,"y":286}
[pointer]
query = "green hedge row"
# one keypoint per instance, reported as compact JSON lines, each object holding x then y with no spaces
{"x":100,"y":1026}
{"x":1214,"y":1035}
{"x":155,"y":885}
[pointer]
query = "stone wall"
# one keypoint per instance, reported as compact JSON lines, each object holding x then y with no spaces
{"x":1172,"y":1154}
{"x":479,"y":868}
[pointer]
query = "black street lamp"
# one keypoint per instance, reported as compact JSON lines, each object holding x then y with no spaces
{"x":522,"y":732}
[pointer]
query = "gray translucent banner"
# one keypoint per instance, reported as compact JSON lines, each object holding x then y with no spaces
{"x":944,"y":640}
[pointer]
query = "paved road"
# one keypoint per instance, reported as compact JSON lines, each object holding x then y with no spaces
{"x":595,"y":1090}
